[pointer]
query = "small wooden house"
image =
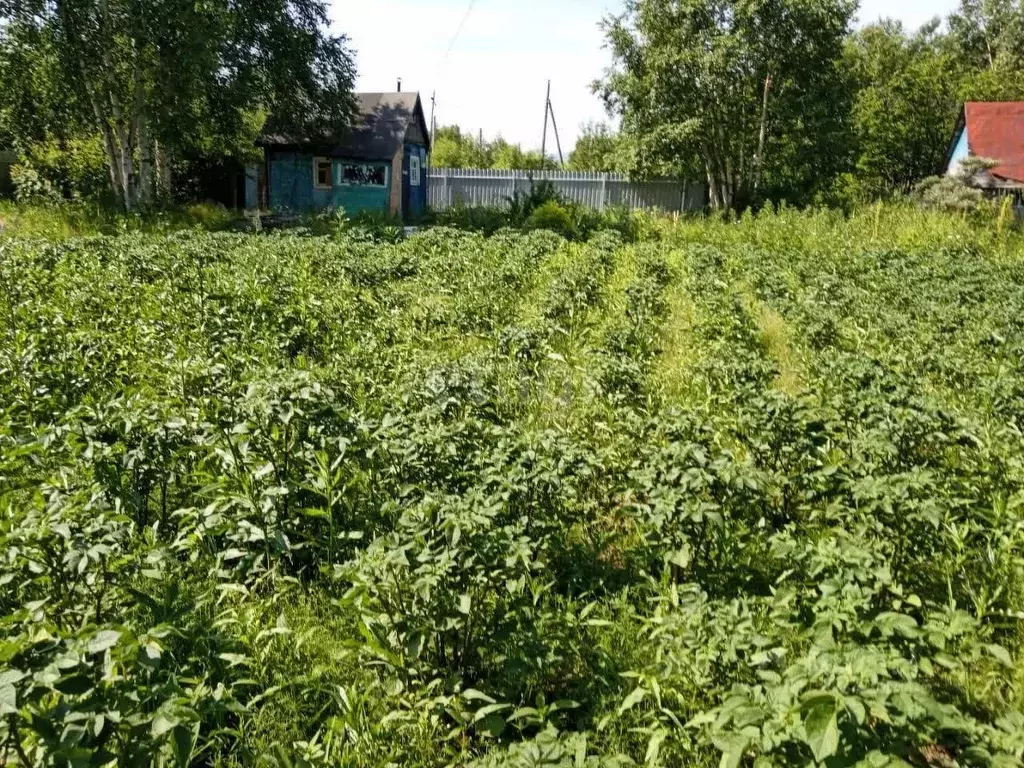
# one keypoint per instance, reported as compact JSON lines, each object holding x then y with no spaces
{"x":993,"y":131}
{"x":379,"y":164}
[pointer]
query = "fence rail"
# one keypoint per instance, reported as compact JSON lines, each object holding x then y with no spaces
{"x":450,"y":187}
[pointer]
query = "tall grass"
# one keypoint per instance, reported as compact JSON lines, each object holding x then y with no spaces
{"x":870,"y":228}
{"x":59,"y":222}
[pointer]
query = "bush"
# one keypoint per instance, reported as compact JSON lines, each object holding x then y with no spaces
{"x":30,"y":187}
{"x":523,"y":204}
{"x":75,"y":169}
{"x":484,"y":219}
{"x":554,"y":217}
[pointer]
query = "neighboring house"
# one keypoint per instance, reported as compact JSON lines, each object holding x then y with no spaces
{"x":993,"y":131}
{"x":379,"y":164}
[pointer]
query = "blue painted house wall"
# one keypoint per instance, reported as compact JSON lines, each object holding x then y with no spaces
{"x":292,"y":188}
{"x":961,"y":151}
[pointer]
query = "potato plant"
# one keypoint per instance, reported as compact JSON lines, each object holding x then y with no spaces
{"x":749,"y":493}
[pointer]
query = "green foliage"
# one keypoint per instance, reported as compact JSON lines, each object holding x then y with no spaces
{"x":30,"y":188}
{"x":455,"y":149}
{"x":554,"y":217}
{"x":958,"y":192}
{"x":906,"y":106}
{"x":598,"y":149}
{"x":74,"y":169}
{"x":729,"y":91}
{"x":60,"y":219}
{"x":750,"y":493}
{"x":145,"y":80}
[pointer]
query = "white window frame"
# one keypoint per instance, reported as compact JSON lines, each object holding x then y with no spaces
{"x":415,"y":169}
{"x":316,"y":173}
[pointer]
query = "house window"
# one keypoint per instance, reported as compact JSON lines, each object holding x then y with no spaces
{"x":322,"y":173}
{"x":414,"y":170}
{"x":363,"y":175}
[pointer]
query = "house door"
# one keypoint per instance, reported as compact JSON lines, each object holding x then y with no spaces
{"x":414,"y":184}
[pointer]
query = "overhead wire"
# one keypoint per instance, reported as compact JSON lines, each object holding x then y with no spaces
{"x":447,"y":54}
{"x":458,"y":32}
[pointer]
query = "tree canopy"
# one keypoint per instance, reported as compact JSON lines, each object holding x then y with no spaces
{"x":707,"y":85}
{"x":454,"y":148}
{"x":783,"y":99}
{"x":600,"y":149}
{"x":148,"y":75}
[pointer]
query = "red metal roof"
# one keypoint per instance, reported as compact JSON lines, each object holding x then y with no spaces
{"x":995,"y":130}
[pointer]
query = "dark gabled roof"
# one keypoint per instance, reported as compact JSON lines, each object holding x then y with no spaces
{"x":377,"y":131}
{"x":995,"y":130}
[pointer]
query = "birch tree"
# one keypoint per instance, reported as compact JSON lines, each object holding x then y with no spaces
{"x":710,"y":86}
{"x":155,"y":77}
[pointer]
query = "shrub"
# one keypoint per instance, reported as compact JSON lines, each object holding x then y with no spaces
{"x":523,"y":204}
{"x":485,"y":219}
{"x":31,"y":188}
{"x":554,"y":217}
{"x":75,"y":169}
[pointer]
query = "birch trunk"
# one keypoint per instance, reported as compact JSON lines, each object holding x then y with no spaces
{"x":140,"y":123}
{"x":110,"y":150}
{"x":144,"y":187}
{"x":125,"y":157}
{"x":762,"y":135}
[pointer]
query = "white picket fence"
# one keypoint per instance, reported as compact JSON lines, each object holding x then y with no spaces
{"x":450,"y":187}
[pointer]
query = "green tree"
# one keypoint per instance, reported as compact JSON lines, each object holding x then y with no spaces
{"x":597,"y":149}
{"x":455,"y":149}
{"x":707,"y":85}
{"x":511,"y":157}
{"x":989,"y":33}
{"x":148,"y":75}
{"x":987,"y":36}
{"x":906,"y":104}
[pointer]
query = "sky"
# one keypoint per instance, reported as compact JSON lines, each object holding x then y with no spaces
{"x":489,"y":61}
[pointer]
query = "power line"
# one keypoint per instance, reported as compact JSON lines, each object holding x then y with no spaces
{"x":458,"y":32}
{"x":451,"y":47}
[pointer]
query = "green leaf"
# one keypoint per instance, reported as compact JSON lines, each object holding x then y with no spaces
{"x":822,"y":730}
{"x":103,"y":640}
{"x":632,"y":700}
{"x":1000,"y":654}
{"x":654,"y":746}
{"x":8,"y":700}
{"x":490,"y":709}
{"x":732,"y":747}
{"x":896,"y":623}
{"x":471,"y":694}
{"x":494,"y":725}
{"x":11,"y":676}
{"x":465,"y":604}
{"x":162,"y":724}
{"x":183,"y":743}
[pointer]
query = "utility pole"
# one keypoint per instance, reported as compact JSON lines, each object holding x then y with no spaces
{"x":433,"y":129}
{"x":544,"y":140}
{"x":558,"y":141}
